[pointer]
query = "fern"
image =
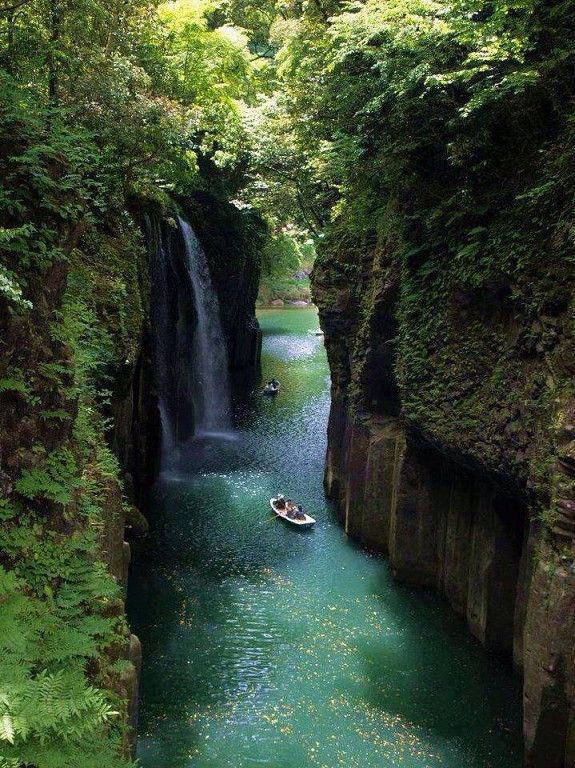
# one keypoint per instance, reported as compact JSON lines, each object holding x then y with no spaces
{"x":8,"y":511}
{"x":11,"y":290}
{"x":6,"y":729}
{"x":57,"y":415}
{"x":55,"y":481}
{"x":13,"y":385}
{"x":45,"y":700}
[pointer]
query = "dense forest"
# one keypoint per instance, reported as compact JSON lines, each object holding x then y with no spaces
{"x":423,"y":148}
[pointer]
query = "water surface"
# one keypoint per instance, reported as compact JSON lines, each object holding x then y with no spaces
{"x":268,"y":646}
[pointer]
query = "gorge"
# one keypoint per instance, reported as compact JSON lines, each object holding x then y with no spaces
{"x":273,"y":647}
{"x":163,"y":165}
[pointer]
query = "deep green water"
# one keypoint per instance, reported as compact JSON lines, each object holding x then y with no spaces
{"x":267,"y":646}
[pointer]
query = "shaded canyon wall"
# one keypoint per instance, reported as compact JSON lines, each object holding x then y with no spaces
{"x":133,"y":408}
{"x":465,"y":484}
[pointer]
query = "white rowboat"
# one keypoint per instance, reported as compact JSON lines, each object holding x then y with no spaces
{"x":271,"y":390}
{"x":306,"y":522}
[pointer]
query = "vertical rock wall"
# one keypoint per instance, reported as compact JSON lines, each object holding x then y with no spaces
{"x":446,"y":527}
{"x":451,"y":450}
{"x":231,"y":241}
{"x":439,"y":525}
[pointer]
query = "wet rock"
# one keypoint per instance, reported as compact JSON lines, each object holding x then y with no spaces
{"x":136,"y":524}
{"x":439,"y":525}
{"x":5,"y":484}
{"x":356,"y":474}
{"x":549,"y":690}
{"x":386,"y":446}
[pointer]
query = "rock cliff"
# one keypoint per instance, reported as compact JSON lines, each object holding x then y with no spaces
{"x":231,"y":239}
{"x":64,"y":512}
{"x":450,"y":450}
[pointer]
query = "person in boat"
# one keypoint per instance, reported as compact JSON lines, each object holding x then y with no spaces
{"x":280,"y":502}
{"x":271,"y":388}
{"x":299,"y":513}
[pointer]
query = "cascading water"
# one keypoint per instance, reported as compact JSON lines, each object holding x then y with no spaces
{"x":211,"y":393}
{"x":189,"y":348}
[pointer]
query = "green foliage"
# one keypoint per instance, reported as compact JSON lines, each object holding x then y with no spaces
{"x":49,"y":716}
{"x":55,"y":598}
{"x":55,"y":479}
{"x":429,"y":144}
{"x":14,"y":240}
{"x":281,"y":255}
{"x":15,"y":382}
{"x":424,"y":147}
{"x":284,"y":288}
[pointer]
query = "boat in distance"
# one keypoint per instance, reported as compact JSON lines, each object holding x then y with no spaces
{"x":272,"y":388}
{"x":291,"y":514}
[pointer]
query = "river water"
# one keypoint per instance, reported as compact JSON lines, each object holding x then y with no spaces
{"x":268,"y":646}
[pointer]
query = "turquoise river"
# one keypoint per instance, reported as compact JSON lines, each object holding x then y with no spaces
{"x":268,"y":646}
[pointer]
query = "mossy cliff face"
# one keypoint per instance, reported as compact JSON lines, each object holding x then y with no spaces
{"x":452,"y":436}
{"x":63,"y":555}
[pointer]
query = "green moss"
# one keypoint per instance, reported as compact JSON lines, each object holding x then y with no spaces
{"x":483,"y":314}
{"x":287,"y":289}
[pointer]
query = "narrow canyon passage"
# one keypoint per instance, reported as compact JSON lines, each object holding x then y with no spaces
{"x":266,"y":646}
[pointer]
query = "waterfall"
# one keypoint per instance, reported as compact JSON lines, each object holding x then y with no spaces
{"x":188,"y":344}
{"x":211,"y":392}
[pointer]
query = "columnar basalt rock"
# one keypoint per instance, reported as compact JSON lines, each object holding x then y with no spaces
{"x":478,"y":503}
{"x":549,"y":660}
